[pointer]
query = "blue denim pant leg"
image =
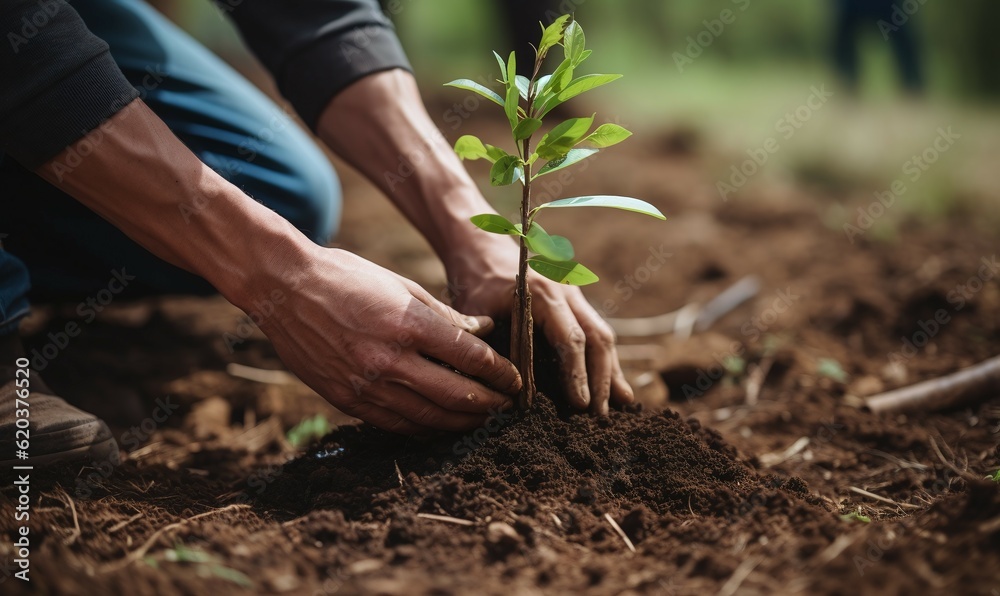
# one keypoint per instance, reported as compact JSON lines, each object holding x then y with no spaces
{"x":13,"y":290}
{"x":233,"y":127}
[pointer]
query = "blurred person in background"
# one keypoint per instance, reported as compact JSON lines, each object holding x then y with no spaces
{"x":853,"y":18}
{"x":133,"y":160}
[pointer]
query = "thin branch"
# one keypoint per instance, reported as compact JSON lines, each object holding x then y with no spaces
{"x":742,"y":572}
{"x":865,"y":493}
{"x":756,"y":378}
{"x":962,"y":473}
{"x":76,"y":520}
{"x":124,"y":523}
{"x":142,"y":550}
{"x":399,"y":474}
{"x":446,"y":519}
{"x":936,"y":394}
{"x":618,"y":530}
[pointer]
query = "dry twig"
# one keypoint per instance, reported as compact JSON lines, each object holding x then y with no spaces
{"x":618,"y":530}
{"x":446,"y":519}
{"x":740,"y":575}
{"x":871,"y":495}
{"x":755,"y":380}
{"x":76,"y":520}
{"x":944,"y":392}
{"x":151,"y":541}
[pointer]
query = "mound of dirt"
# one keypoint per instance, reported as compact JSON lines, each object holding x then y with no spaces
{"x":528,"y":485}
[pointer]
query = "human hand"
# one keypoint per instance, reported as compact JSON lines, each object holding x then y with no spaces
{"x":374,"y":345}
{"x":483,"y":277}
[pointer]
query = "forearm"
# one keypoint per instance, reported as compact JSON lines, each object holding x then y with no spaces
{"x":136,"y":174}
{"x":379,"y":126}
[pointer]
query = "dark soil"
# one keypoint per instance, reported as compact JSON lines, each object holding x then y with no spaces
{"x":704,"y":485}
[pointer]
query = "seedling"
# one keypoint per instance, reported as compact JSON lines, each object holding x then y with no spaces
{"x":204,"y":563}
{"x":526,"y":102}
{"x":831,"y":369}
{"x":309,"y":430}
{"x":995,"y":477}
{"x":856,"y":516}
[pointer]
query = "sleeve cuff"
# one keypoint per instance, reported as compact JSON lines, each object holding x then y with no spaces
{"x":312,"y":77}
{"x":66,"y":111}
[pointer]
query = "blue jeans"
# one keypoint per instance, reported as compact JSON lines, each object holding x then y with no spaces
{"x":55,"y":249}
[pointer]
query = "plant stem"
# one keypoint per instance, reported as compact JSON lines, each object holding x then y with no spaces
{"x":522,"y":344}
{"x":522,"y":341}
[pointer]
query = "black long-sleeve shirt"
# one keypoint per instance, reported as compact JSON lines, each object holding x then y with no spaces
{"x":58,"y":80}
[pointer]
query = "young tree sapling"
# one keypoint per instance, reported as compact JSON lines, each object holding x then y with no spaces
{"x":526,"y":102}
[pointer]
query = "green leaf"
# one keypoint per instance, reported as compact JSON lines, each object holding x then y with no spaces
{"x":470,"y":147}
{"x":557,"y":248}
{"x":574,"y":42}
{"x":607,"y":135}
{"x":564,"y":272}
{"x":586,"y":54}
{"x":562,"y":76}
{"x":470,"y":85}
{"x":552,"y":34}
{"x":541,"y":83}
{"x":495,"y":224}
{"x":549,"y":85}
{"x":495,"y":154}
{"x":510,"y":105}
{"x":567,"y":160}
{"x":506,"y":170}
{"x":586,"y":83}
{"x":522,"y":83}
{"x":503,"y":69}
{"x":624,"y":203}
{"x":525,"y":128}
{"x":576,"y":87}
{"x":563,"y":137}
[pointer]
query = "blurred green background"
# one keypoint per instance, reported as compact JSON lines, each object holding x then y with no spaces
{"x":758,"y":69}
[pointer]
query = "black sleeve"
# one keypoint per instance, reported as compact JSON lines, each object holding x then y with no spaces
{"x":57,"y":80}
{"x":316,"y":48}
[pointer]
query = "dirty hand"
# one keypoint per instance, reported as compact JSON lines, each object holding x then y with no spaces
{"x":373,"y":343}
{"x":482,"y":282}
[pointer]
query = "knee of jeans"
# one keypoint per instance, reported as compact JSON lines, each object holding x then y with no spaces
{"x":318,"y":198}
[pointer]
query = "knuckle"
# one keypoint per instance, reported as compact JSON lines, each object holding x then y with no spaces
{"x":474,"y":358}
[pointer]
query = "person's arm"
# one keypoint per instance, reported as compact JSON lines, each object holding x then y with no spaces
{"x":380,"y":122}
{"x":367,"y":340}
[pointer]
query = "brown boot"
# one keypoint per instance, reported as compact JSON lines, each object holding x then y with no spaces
{"x":56,"y":431}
